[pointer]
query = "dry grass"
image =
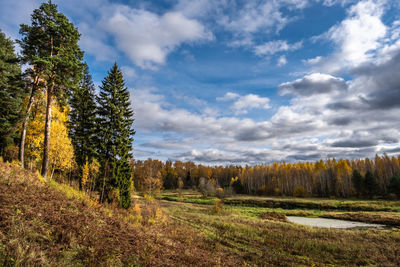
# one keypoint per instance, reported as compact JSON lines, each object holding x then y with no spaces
{"x":49,"y":224}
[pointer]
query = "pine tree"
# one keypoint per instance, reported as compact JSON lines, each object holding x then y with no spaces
{"x":11,"y":92}
{"x":50,"y":47}
{"x":83,"y":121}
{"x":116,"y":136}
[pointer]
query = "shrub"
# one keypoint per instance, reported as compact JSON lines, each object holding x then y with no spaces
{"x":299,"y":191}
{"x":207,"y":187}
{"x":262,"y":190}
{"x":277,"y":191}
{"x":237,"y":185}
{"x":218,"y":206}
{"x":11,"y":153}
{"x":220,"y":192}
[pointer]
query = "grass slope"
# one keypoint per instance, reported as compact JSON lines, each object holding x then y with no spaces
{"x":51,"y":224}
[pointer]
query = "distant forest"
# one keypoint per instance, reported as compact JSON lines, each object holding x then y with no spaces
{"x":330,"y":178}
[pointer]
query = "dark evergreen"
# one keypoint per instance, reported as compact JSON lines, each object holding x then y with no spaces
{"x":50,"y":47}
{"x":115,"y":119}
{"x":83,"y":121}
{"x":394,"y":185}
{"x":358,"y":182}
{"x":370,"y":184}
{"x":11,"y":92}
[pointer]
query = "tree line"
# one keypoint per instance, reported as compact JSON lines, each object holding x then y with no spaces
{"x":337,"y":178}
{"x":51,"y":118}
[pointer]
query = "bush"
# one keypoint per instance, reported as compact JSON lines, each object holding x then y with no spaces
{"x":218,"y":206}
{"x":207,"y":187}
{"x":237,"y":185}
{"x":220,"y":192}
{"x":262,"y":190}
{"x":11,"y":153}
{"x":299,"y":191}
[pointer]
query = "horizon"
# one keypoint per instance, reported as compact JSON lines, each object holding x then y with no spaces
{"x":234,"y":83}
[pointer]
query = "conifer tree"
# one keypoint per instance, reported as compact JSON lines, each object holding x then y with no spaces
{"x":115,"y":119}
{"x":11,"y":92}
{"x":370,"y":184}
{"x":50,"y":47}
{"x":83,"y":121}
{"x":358,"y":182}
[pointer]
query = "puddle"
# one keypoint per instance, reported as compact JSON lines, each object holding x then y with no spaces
{"x":332,"y":223}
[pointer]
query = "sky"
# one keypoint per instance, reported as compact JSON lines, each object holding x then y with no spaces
{"x":246,"y":82}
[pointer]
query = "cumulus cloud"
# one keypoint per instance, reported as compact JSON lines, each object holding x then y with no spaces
{"x":243,"y":104}
{"x":357,"y":38}
{"x":147,"y":38}
{"x":316,"y":83}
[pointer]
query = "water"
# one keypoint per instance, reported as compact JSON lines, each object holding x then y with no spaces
{"x":332,"y":223}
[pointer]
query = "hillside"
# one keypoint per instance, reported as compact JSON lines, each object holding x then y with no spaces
{"x":45,"y":223}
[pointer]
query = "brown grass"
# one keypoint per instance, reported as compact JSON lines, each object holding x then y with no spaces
{"x":41,"y":226}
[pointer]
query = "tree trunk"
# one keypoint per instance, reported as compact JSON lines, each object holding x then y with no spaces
{"x":25,"y":122}
{"x":46,"y":149}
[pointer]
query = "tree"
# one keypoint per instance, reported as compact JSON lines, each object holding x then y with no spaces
{"x":358,"y":181}
{"x":50,"y":47}
{"x":394,"y":186}
{"x":115,"y":119}
{"x":11,"y":92}
{"x":370,"y":183}
{"x":61,"y":149}
{"x":83,"y":121}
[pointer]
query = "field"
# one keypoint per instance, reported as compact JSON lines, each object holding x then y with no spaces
{"x":261,"y":235}
{"x":52,"y":224}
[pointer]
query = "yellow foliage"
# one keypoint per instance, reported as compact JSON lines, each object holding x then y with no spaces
{"x":85,"y":173}
{"x":61,"y":155}
{"x":220,"y":192}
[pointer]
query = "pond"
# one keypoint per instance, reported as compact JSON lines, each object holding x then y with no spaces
{"x":332,"y":223}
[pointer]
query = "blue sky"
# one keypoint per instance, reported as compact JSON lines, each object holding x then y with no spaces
{"x":246,"y":82}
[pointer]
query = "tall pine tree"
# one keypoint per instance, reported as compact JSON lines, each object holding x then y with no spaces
{"x":83,"y":121}
{"x":11,"y":92}
{"x":115,"y":119}
{"x":50,"y":46}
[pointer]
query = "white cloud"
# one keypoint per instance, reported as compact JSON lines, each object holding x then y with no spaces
{"x":273,"y":47}
{"x":129,"y":72}
{"x":243,"y":104}
{"x":228,"y":96}
{"x":357,"y":37}
{"x":282,"y":61}
{"x":247,"y":102}
{"x":147,"y":38}
{"x":312,"y":61}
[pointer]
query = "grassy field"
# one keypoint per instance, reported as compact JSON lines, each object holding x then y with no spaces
{"x":259,"y":235}
{"x":369,"y":211}
{"x":45,"y":223}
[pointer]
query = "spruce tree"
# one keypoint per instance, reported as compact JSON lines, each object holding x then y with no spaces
{"x":50,"y":46}
{"x":83,"y":121}
{"x":358,"y":182}
{"x":11,"y":92}
{"x":115,"y":119}
{"x":370,"y":184}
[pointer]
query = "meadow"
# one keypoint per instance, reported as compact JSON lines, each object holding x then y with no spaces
{"x":49,"y":223}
